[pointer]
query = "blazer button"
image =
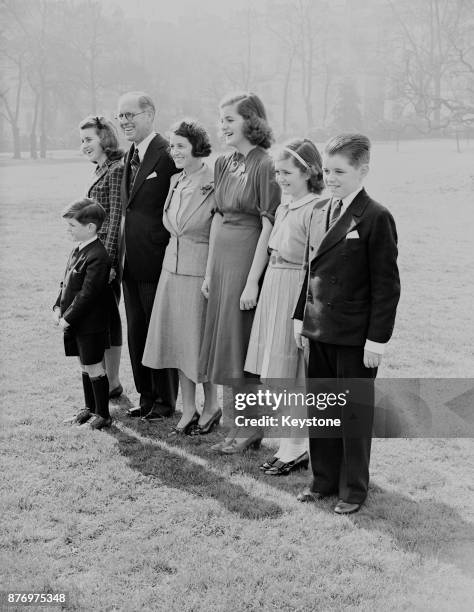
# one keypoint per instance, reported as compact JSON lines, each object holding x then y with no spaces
{"x":329,"y":304}
{"x":311,"y":248}
{"x":333,"y":280}
{"x":310,"y":296}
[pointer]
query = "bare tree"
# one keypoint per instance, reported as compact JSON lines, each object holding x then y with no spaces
{"x":433,"y":45}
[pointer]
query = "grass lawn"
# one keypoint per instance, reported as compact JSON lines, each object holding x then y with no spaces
{"x":126,"y":520}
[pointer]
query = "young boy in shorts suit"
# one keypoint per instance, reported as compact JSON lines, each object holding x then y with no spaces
{"x":346,"y":309}
{"x":81,"y":308}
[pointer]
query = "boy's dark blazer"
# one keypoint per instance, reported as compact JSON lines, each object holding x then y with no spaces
{"x":82,"y":296}
{"x":351,"y":287}
{"x":144,"y":236}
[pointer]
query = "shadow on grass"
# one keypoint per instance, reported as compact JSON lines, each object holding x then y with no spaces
{"x":176,"y":471}
{"x":428,"y":527}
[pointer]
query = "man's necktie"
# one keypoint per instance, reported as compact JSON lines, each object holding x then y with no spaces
{"x":134,"y":166}
{"x":334,"y":213}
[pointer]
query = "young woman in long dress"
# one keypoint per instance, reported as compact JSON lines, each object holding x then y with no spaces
{"x":247,"y":196}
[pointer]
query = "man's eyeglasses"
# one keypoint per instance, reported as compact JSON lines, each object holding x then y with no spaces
{"x":128,"y":116}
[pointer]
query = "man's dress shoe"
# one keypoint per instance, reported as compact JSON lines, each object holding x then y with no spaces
{"x":158,"y":412}
{"x":309,"y":496}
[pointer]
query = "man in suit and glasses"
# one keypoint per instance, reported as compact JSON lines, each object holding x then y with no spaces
{"x":148,"y":168}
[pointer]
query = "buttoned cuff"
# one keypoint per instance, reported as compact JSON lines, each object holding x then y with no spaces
{"x":375,"y":347}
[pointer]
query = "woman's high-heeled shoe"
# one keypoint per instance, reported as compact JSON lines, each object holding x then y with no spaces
{"x":200,"y":430}
{"x":281,"y":468}
{"x":186,"y":430}
{"x":235,"y":447}
{"x":268,"y":464}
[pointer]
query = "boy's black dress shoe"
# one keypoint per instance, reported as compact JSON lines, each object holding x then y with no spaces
{"x":100,"y":422}
{"x":83,"y":416}
{"x":343,"y":507}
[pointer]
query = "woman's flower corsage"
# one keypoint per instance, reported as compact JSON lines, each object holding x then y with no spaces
{"x":205,"y":189}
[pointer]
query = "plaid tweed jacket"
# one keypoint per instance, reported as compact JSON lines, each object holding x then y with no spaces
{"x":105,"y":189}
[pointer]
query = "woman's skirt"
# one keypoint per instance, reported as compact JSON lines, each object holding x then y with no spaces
{"x":272,"y":350}
{"x":176,"y":325}
{"x":227,"y":330}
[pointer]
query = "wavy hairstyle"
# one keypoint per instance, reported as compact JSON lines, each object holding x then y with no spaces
{"x":107,"y":134}
{"x":307,"y":151}
{"x":251,"y":108}
{"x":195,"y":133}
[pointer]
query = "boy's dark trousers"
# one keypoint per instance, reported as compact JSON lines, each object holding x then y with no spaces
{"x":341,"y":465}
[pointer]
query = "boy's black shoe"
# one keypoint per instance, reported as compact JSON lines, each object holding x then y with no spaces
{"x":83,"y":416}
{"x":99,"y":422}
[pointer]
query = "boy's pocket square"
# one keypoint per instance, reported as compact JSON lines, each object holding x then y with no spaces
{"x":352,"y":235}
{"x":152,"y":175}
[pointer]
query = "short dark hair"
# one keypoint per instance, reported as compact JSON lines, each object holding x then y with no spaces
{"x":198,"y":138}
{"x":356,"y":147}
{"x":107,"y":134}
{"x":85,"y":211}
{"x":307,"y":150}
{"x":251,"y":108}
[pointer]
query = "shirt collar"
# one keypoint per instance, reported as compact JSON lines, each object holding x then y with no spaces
{"x":347,"y":201}
{"x":81,"y":245}
{"x":309,"y":197}
{"x":143,"y":145}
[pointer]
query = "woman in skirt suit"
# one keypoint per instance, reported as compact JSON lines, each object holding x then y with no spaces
{"x":179,"y":310}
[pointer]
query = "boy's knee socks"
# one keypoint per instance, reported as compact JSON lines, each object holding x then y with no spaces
{"x":89,"y":400}
{"x":100,"y":386}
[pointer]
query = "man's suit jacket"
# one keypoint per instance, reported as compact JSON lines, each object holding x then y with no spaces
{"x":188,"y":247}
{"x":144,"y":237}
{"x":82,"y":299}
{"x":351,"y":287}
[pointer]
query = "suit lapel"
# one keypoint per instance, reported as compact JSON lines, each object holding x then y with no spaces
{"x":347,"y":222}
{"x":319,"y":220}
{"x":126,"y":176}
{"x":146,"y":165}
{"x":198,"y":198}
{"x":166,"y":218}
{"x":97,"y":177}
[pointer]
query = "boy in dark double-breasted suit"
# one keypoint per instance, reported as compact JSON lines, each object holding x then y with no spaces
{"x":81,"y":308}
{"x":346,"y":309}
